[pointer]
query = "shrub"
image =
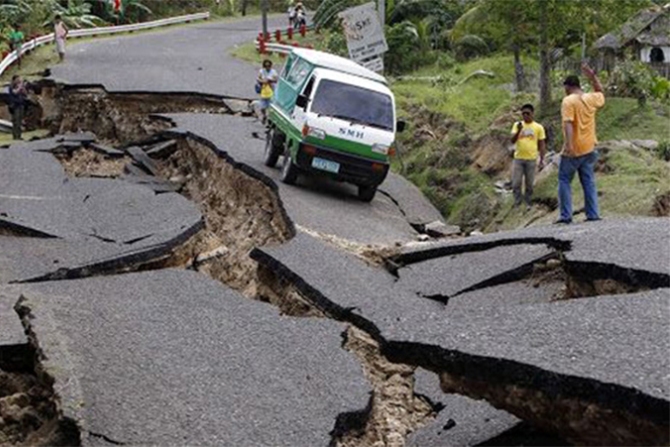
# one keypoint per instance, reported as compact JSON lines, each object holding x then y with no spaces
{"x":632,"y":79}
{"x":663,"y":150}
{"x":470,"y":46}
{"x":661,"y":88}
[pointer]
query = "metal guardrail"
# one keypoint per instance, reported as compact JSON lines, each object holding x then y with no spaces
{"x":90,"y":32}
{"x":277,"y":47}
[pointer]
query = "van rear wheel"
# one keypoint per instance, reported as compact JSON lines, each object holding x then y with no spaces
{"x":366,"y":193}
{"x":274,"y":144}
{"x":289,"y":171}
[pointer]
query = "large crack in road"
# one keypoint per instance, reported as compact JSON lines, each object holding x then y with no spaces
{"x":247,"y":240}
{"x":242,"y":210}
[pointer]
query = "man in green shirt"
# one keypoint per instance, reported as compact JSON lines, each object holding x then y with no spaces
{"x":16,"y":42}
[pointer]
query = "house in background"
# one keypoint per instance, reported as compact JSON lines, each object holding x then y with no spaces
{"x":646,"y":36}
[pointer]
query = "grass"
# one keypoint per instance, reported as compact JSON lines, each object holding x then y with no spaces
{"x":476,"y":102}
{"x":623,"y":119}
{"x":442,"y":170}
{"x":248,"y":52}
{"x":33,"y":64}
{"x":6,"y":138}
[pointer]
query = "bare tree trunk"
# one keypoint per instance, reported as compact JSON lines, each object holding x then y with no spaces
{"x":545,"y":62}
{"x":519,"y":72}
{"x":244,"y":7}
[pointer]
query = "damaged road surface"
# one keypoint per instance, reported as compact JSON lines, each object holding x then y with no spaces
{"x":159,"y":286}
{"x":172,"y":357}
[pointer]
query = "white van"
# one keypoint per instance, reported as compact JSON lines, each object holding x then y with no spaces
{"x":330,"y":116}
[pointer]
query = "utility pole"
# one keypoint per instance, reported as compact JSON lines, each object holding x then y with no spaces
{"x":381,"y":8}
{"x":264,"y":9}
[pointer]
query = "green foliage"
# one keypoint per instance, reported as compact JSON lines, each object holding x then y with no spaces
{"x":407,"y":48}
{"x":335,"y":43}
{"x":75,"y":14}
{"x":661,"y":89}
{"x":663,"y":150}
{"x":470,"y":46}
{"x":632,"y":79}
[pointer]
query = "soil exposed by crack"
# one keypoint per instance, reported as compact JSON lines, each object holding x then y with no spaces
{"x":581,"y":422}
{"x":240,"y":213}
{"x":117,"y":116}
{"x":88,"y":163}
{"x":28,"y":414}
{"x":395,"y":410}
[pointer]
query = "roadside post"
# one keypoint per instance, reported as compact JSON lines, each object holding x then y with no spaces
{"x":264,"y":11}
{"x":365,"y":35}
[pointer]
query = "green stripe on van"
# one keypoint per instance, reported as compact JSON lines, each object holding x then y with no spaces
{"x":330,"y":142}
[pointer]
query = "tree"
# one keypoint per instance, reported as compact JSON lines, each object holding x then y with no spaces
{"x":544,"y":25}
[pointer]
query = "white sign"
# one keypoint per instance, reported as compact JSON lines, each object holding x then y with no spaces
{"x":365,"y":35}
{"x":375,"y":64}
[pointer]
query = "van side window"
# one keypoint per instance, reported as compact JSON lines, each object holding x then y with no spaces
{"x":298,"y":73}
{"x":309,"y":87}
{"x":287,"y":66}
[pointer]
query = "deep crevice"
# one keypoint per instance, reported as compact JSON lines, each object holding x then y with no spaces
{"x":413,"y":257}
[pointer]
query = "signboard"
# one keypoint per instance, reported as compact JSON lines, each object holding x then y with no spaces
{"x":364,"y":33}
{"x":375,"y":64}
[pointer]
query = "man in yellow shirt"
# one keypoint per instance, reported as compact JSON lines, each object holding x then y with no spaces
{"x":529,"y":138}
{"x":578,"y":114}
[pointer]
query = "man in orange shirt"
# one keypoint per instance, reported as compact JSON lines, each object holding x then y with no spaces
{"x":578,"y":114}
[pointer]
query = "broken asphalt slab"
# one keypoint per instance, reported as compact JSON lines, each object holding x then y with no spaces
{"x":637,"y":244}
{"x":444,"y":277}
{"x":575,"y":367}
{"x":173,"y":357}
{"x":608,"y":352}
{"x":143,"y":160}
{"x":383,"y":221}
{"x":461,"y":421}
{"x":37,"y":196}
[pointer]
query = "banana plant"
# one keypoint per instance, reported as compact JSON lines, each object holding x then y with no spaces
{"x":75,"y":14}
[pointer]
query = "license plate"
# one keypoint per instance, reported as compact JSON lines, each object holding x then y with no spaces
{"x":325,"y":165}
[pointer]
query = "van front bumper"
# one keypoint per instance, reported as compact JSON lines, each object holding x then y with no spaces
{"x":352,"y":168}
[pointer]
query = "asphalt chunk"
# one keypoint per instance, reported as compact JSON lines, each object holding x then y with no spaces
{"x":171,"y":356}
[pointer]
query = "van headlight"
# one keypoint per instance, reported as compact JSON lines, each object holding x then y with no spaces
{"x":380,"y":148}
{"x":316,"y":133}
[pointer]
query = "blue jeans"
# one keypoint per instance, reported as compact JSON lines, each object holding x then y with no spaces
{"x":584,"y":166}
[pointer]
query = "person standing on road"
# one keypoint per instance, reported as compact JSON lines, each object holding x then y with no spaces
{"x":267,"y":79}
{"x":16,"y":42}
{"x":291,"y":15}
{"x":18,"y":97}
{"x":529,"y":139}
{"x":578,"y":114}
{"x":60,"y":32}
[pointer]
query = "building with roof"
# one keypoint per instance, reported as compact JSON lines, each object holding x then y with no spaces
{"x":645,"y":36}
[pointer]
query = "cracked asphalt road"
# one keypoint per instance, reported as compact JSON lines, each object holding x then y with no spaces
{"x":110,"y":334}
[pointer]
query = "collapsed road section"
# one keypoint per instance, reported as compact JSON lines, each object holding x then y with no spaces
{"x":95,"y":207}
{"x":128,"y":246}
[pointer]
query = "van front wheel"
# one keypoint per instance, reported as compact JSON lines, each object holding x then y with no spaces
{"x":366,"y":193}
{"x":289,"y":171}
{"x":274,"y":143}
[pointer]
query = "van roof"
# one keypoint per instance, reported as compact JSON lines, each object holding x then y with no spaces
{"x":326,"y":60}
{"x":333,"y":75}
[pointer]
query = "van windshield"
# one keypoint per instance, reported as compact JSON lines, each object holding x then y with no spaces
{"x":352,"y":103}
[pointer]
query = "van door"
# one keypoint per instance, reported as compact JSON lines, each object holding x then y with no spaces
{"x":299,"y":114}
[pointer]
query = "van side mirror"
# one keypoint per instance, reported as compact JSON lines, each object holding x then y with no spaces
{"x":301,"y":101}
{"x":400,"y":126}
